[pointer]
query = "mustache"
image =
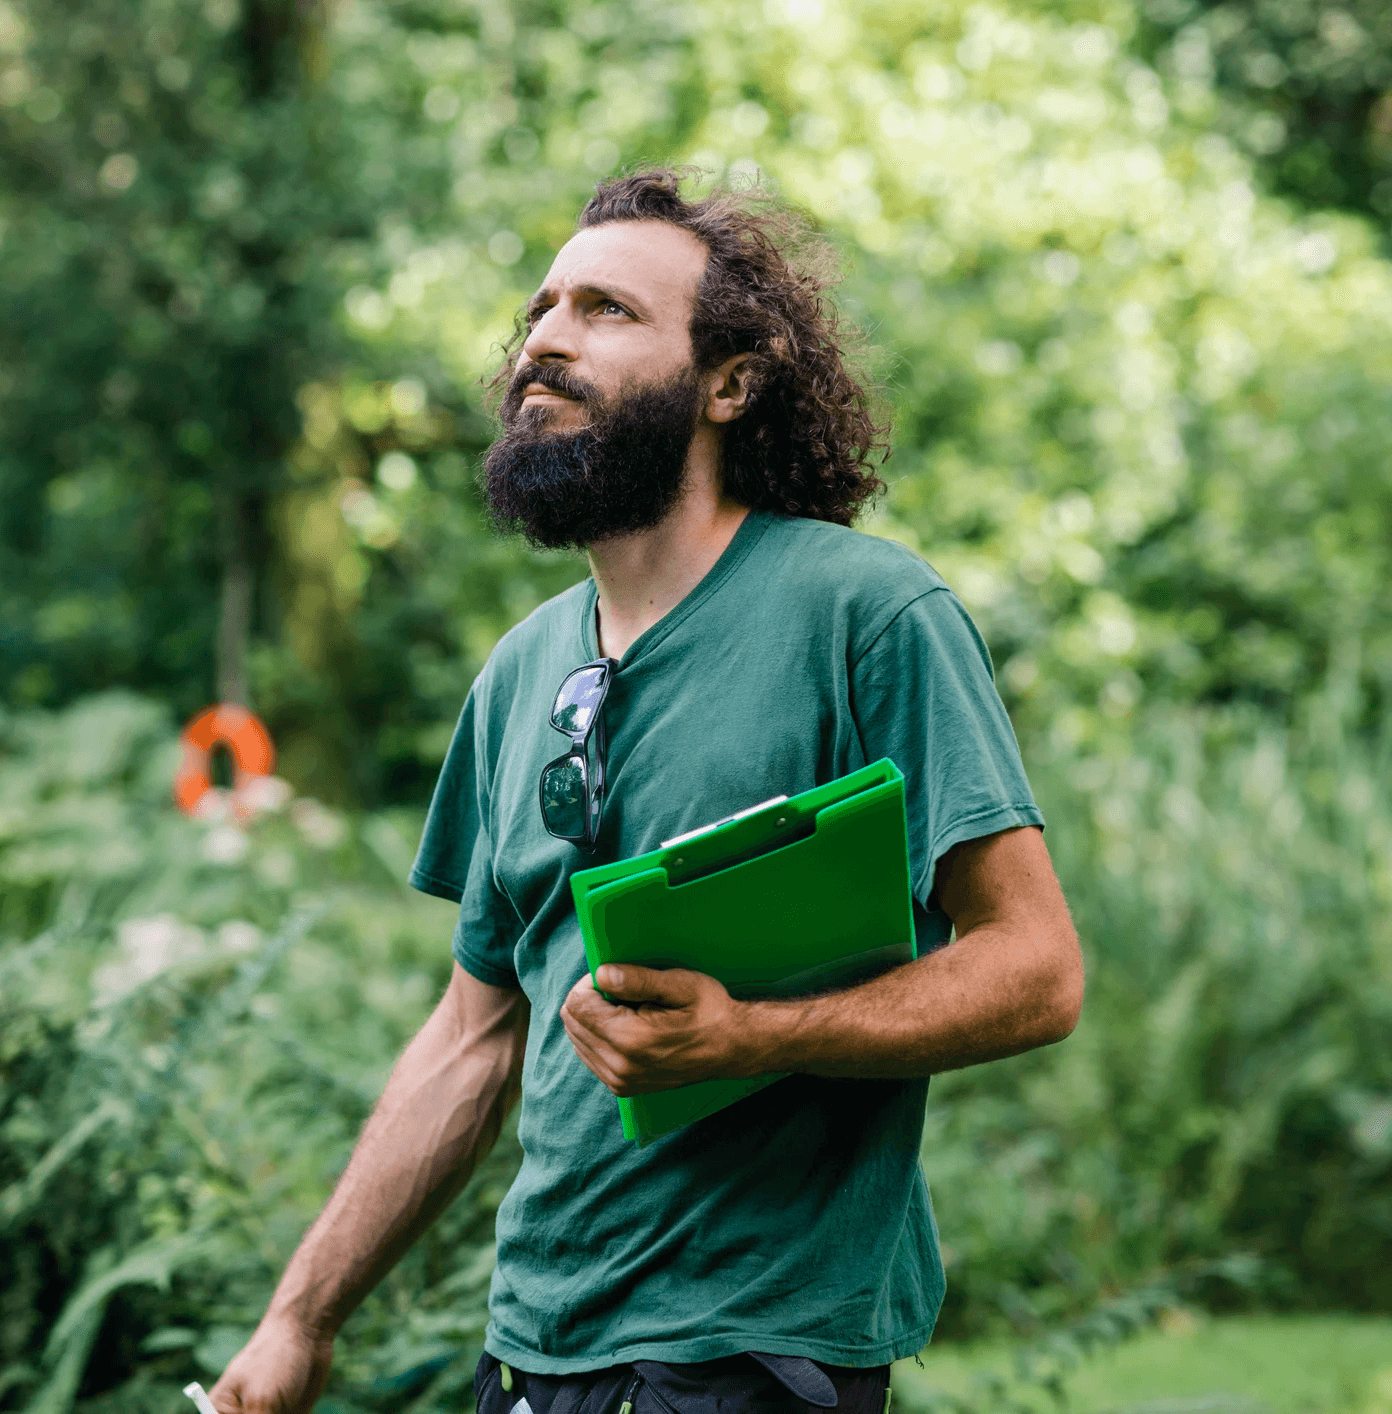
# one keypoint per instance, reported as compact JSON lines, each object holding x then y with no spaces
{"x":552,"y":376}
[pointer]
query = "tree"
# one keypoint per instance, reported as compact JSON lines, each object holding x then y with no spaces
{"x":168,"y":173}
{"x":222,"y":221}
{"x":1311,"y":82}
{"x":1140,"y":405}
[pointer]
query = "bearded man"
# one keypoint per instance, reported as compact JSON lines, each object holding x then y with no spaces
{"x":680,"y":408}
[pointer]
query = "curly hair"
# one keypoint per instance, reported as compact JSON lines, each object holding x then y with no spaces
{"x":806,"y":440}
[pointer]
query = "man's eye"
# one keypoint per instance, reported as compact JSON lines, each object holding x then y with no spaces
{"x":612,"y":305}
{"x":535,"y":316}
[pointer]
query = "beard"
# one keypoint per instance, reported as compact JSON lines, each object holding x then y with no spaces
{"x":620,"y":473}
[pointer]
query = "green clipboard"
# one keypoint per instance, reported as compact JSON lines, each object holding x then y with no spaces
{"x":789,"y":897}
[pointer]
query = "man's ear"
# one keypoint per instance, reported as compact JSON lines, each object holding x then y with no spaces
{"x":727,"y":389}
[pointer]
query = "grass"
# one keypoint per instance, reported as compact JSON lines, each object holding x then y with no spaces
{"x":1193,"y":1365}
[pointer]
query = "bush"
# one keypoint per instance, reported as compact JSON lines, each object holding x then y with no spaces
{"x":194,"y":1021}
{"x":1229,"y":1088}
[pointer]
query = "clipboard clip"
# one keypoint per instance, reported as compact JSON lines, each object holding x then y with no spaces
{"x":727,"y":820}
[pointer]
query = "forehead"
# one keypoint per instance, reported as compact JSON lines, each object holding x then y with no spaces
{"x":654,"y":262}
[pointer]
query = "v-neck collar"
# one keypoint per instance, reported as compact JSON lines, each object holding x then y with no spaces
{"x":750,"y":532}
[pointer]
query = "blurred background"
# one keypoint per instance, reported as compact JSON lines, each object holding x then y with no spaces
{"x":1127,"y":269}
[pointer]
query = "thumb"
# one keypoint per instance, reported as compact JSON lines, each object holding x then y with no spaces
{"x":666,"y":987}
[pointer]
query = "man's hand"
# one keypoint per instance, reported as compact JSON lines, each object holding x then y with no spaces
{"x":282,"y":1370}
{"x":675,"y":1027}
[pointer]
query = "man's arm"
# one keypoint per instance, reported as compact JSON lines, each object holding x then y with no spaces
{"x":437,"y":1119}
{"x":1011,"y":980}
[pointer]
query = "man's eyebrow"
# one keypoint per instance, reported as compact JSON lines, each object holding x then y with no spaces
{"x":547,"y":296}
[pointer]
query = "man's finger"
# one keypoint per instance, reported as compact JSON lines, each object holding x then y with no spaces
{"x":674,"y":986}
{"x":582,"y":1028}
{"x":601,"y":1054}
{"x":578,"y":1028}
{"x":585,"y":1007}
{"x":612,"y":1036}
{"x":593,"y":1059}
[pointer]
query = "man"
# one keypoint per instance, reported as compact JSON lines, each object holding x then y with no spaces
{"x":679,"y":406}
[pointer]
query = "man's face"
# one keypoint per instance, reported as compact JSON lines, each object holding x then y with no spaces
{"x":599,"y":415}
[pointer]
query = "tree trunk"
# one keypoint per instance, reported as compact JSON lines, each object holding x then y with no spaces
{"x":234,"y":618}
{"x":284,"y":44}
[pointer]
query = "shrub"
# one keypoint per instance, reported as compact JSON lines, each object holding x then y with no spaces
{"x":1230,"y":1085}
{"x":194,"y":1021}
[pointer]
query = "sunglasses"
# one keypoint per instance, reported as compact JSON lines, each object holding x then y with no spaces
{"x":572,"y":786}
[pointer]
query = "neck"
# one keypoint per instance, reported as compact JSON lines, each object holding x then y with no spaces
{"x":642,"y":577}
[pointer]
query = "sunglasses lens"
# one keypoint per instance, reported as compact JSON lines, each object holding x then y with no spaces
{"x":578,"y":698}
{"x":563,"y":798}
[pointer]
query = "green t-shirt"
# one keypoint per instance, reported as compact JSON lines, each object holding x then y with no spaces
{"x":797,"y":1221}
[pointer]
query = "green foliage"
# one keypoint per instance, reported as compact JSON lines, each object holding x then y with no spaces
{"x":1140,"y":406}
{"x":194,"y":1021}
{"x":213,"y":216}
{"x":1041,"y":1367}
{"x":171,"y":197}
{"x":1227,"y":1089}
{"x":1313,"y":79}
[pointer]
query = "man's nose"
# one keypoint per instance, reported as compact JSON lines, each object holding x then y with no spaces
{"x":552,"y":338}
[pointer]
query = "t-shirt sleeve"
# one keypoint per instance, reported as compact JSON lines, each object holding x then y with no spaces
{"x":455,"y":859}
{"x":923,"y":694}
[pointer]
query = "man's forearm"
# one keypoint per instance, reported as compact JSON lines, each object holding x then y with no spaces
{"x":436,"y":1120}
{"x":984,"y":996}
{"x":1012,"y":980}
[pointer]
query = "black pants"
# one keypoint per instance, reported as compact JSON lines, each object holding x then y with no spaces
{"x":738,"y":1384}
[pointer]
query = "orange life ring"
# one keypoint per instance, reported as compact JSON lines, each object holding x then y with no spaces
{"x":244,"y":735}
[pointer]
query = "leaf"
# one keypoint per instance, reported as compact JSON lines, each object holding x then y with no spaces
{"x":150,"y":1265}
{"x":19,"y":1197}
{"x":233,"y":1002}
{"x":56,"y":1397}
{"x":16,"y":1374}
{"x":168,"y":1338}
